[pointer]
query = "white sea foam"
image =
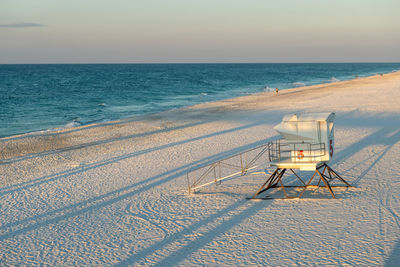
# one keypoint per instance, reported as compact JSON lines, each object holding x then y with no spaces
{"x":102,"y":104}
{"x":74,"y":123}
{"x":298,"y":84}
{"x":333,"y":80}
{"x":268,"y":89}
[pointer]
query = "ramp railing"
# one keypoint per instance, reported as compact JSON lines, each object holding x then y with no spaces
{"x":251,"y":160}
{"x":233,"y":166}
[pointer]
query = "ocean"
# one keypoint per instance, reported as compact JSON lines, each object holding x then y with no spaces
{"x":43,"y":97}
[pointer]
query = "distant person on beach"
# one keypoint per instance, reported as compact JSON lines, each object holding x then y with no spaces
{"x":276,"y":90}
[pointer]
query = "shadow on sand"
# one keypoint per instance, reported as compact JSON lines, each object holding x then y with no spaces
{"x":387,"y":134}
{"x":394,"y":258}
{"x":112,"y":197}
{"x":53,"y":177}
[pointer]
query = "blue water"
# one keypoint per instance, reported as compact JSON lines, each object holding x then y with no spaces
{"x":40,"y":97}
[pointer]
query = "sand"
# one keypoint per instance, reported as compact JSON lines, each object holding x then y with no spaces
{"x":116,"y":193}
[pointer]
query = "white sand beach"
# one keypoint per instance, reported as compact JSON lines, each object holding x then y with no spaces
{"x":116,"y":193}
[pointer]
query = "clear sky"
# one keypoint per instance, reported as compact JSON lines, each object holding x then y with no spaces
{"x":150,"y":31}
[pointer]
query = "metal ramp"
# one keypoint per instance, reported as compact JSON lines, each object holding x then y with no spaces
{"x":233,"y":166}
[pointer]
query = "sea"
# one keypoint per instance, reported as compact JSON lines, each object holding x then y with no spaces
{"x":46,"y":97}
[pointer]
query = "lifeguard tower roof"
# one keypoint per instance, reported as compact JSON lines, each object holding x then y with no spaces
{"x":305,"y":127}
{"x":316,"y":116}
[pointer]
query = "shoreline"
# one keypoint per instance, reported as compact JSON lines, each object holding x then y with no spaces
{"x":240,"y":108}
{"x":150,"y":116}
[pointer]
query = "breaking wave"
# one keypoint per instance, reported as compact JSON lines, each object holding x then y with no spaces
{"x":74,"y":123}
{"x":298,"y":84}
{"x":268,"y":89}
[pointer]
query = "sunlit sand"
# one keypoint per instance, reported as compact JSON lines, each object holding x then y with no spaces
{"x":116,"y":192}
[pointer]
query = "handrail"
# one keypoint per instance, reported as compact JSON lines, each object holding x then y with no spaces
{"x":277,"y":151}
{"x":229,"y":157}
{"x":212,"y":167}
{"x":281,"y":150}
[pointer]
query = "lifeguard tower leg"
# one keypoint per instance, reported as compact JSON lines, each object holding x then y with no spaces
{"x":275,"y":181}
{"x":325,"y":182}
{"x":298,"y":177}
{"x":283,"y":188}
{"x":337,"y":175}
{"x":323,"y":171}
{"x":308,"y":183}
{"x":271,"y":181}
{"x":268,"y":180}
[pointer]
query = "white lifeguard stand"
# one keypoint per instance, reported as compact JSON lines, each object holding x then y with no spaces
{"x":307,"y":145}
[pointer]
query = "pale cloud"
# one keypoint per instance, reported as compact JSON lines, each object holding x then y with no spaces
{"x":21,"y":25}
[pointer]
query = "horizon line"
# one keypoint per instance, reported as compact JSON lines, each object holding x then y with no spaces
{"x":189,"y":63}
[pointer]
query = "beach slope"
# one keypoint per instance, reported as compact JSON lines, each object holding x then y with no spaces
{"x":116,"y":193}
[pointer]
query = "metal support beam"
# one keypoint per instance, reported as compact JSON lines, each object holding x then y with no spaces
{"x":277,"y":175}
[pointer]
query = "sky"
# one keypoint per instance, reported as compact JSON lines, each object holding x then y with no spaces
{"x":199,"y":31}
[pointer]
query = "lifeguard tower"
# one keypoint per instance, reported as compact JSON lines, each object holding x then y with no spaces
{"x":307,"y":145}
